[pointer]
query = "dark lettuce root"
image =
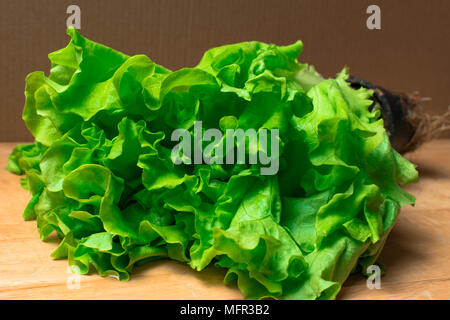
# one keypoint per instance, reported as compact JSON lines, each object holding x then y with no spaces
{"x":407,"y":123}
{"x":102,"y":178}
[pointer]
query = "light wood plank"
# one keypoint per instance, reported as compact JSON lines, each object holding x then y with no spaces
{"x":416,"y":256}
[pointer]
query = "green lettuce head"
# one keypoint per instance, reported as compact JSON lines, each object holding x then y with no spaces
{"x":102,"y":176}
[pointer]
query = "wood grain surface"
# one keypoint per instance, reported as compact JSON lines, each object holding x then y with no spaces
{"x":416,"y":256}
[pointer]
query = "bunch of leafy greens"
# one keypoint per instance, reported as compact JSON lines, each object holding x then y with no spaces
{"x":101,"y":175}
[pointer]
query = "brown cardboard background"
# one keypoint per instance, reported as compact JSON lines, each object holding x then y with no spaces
{"x":410,"y":53}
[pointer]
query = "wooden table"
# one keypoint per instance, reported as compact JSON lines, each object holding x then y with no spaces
{"x":416,"y":256}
